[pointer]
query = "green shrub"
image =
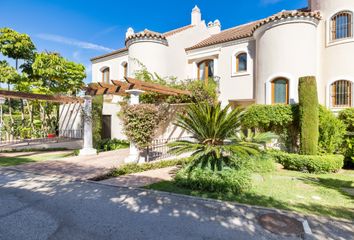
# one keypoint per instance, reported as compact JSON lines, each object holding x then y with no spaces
{"x":97,"y":106}
{"x":308,"y":114}
{"x":136,"y":167}
{"x":309,"y":163}
{"x":225,"y":181}
{"x":262,"y":163}
{"x":111,"y":144}
{"x":279,"y":119}
{"x":331,"y":131}
{"x":140,"y":123}
{"x":347,"y":117}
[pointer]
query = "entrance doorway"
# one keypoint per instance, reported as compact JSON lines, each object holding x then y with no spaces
{"x":106,"y":126}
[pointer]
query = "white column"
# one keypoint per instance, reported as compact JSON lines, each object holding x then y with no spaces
{"x":87,"y":116}
{"x":134,"y":152}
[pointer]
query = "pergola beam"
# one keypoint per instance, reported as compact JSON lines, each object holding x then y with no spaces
{"x":120,"y":88}
{"x":42,"y":97}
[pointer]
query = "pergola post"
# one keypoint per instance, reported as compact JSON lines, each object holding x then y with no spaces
{"x":134,"y":152}
{"x":87,"y":117}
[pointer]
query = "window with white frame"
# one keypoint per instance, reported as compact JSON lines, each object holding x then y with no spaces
{"x":206,"y":70}
{"x":341,"y":94}
{"x":342,"y":25}
{"x":105,"y":75}
{"x":280,"y":91}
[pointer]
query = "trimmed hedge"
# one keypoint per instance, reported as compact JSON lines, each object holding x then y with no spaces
{"x":225,"y":181}
{"x":262,"y":163}
{"x":308,"y":113}
{"x":310,"y":163}
{"x":280,"y":119}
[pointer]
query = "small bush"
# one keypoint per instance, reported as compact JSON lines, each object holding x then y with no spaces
{"x":225,"y":181}
{"x":263,"y":163}
{"x":310,"y":163}
{"x":140,"y":123}
{"x":105,"y":145}
{"x":136,"y":167}
{"x":347,"y":117}
{"x":308,"y":113}
{"x":331,"y":131}
{"x":279,"y":119}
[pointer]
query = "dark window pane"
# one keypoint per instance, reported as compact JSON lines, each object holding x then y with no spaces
{"x":242,"y":62}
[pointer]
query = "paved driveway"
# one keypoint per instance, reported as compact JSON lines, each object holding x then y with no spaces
{"x":43,"y":207}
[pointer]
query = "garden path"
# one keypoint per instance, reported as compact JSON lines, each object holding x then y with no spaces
{"x":78,"y":167}
{"x":142,"y":179}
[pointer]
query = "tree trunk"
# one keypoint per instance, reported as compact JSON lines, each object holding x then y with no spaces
{"x":30,"y":112}
{"x":10,"y":115}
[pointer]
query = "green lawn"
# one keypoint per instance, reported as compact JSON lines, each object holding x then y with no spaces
{"x":319,"y":194}
{"x":31,"y":157}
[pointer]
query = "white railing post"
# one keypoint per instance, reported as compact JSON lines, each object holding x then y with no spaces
{"x":87,"y":117}
{"x":134,"y":152}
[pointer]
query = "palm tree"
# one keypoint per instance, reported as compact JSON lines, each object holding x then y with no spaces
{"x":216,"y":138}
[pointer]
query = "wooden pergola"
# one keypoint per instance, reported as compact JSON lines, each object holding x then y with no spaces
{"x":119,"y":88}
{"x":32,"y":96}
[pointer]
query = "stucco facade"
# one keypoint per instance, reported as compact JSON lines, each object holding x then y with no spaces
{"x":259,"y":62}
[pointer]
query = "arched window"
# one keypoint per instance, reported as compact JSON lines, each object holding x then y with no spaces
{"x":105,"y":75}
{"x":341,"y":94}
{"x":241,"y":62}
{"x":342,"y":25}
{"x":125,"y":69}
{"x":280,"y":91}
{"x":206,"y":70}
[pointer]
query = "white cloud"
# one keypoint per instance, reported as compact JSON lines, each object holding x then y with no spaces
{"x":270,"y":2}
{"x":73,"y":42}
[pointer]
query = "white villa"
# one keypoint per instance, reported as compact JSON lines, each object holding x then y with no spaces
{"x":258,"y":62}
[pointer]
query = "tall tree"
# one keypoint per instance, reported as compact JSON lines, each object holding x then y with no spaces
{"x":58,"y":75}
{"x":17,"y":46}
{"x":9,"y":76}
{"x":308,"y":112}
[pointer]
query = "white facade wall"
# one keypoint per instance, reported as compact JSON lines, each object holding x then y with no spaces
{"x":233,"y":85}
{"x":285,"y":49}
{"x":335,"y":57}
{"x":177,"y":57}
{"x":152,"y":54}
{"x":115,"y":64}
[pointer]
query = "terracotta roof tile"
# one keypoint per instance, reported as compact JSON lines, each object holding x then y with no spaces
{"x":230,"y":34}
{"x":247,"y":30}
{"x":146,"y":32}
{"x":121,"y":50}
{"x":178,"y":30}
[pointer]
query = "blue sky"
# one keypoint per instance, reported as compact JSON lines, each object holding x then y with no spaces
{"x":81,"y":29}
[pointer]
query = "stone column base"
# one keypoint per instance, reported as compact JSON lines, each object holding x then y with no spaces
{"x":87,"y":152}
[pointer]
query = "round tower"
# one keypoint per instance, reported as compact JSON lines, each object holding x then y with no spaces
{"x":149,"y":49}
{"x":286,"y":46}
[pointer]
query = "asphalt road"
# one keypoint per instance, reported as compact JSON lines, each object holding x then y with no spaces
{"x":43,"y":207}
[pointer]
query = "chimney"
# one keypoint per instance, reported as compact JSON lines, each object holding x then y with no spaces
{"x":196,"y":16}
{"x":129,"y":32}
{"x":214,"y":27}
